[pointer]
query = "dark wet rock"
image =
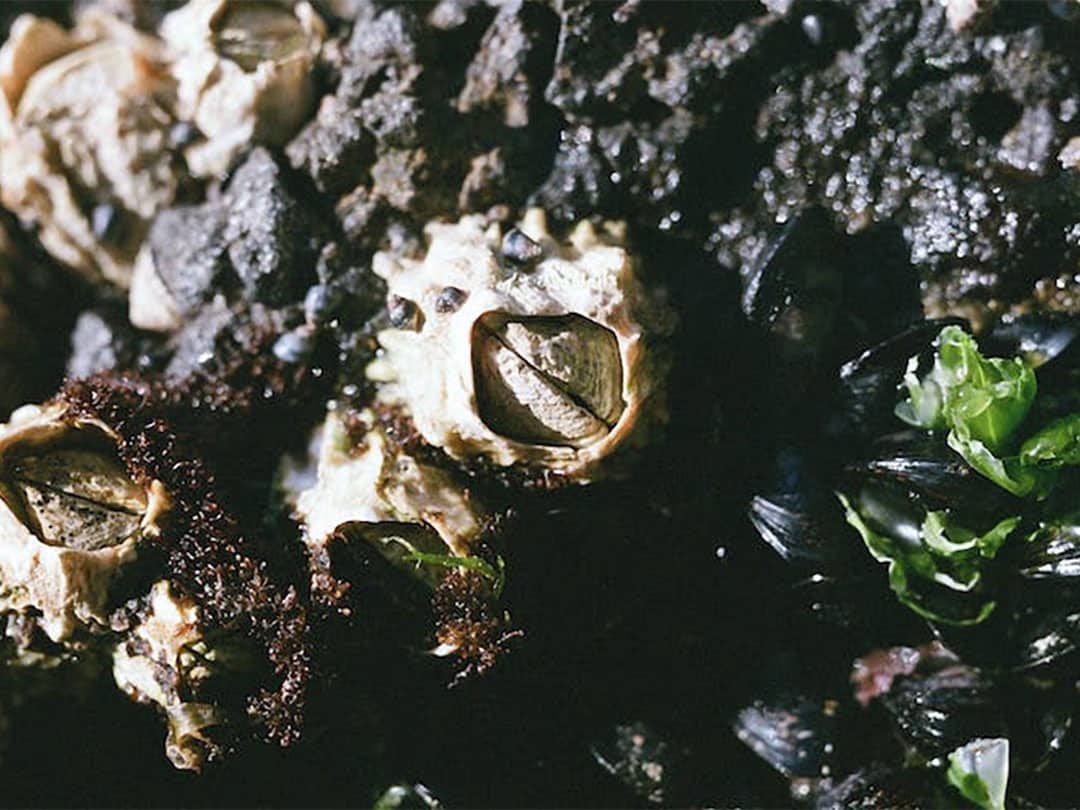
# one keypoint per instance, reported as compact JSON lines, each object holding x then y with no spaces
{"x":270,"y":234}
{"x":188,"y":250}
{"x":515,"y":47}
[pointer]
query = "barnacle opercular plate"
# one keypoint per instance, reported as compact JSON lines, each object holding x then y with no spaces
{"x":524,"y":350}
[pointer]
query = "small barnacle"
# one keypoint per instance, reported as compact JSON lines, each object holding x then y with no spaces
{"x":244,"y":73}
{"x":552,"y":358}
{"x":389,"y":498}
{"x":70,"y":518}
{"x":84,"y":138}
{"x":167,"y":661}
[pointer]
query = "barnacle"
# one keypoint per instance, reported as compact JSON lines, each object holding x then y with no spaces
{"x":244,"y":73}
{"x":386,"y":496}
{"x":70,"y":518}
{"x":167,"y":660}
{"x":85,"y":117}
{"x":521,"y":349}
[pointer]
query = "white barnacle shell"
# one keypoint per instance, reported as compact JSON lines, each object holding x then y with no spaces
{"x":85,"y":117}
{"x":70,"y":518}
{"x":542,"y":353}
{"x":385,"y":496}
{"x":164,"y":656}
{"x":244,"y":73}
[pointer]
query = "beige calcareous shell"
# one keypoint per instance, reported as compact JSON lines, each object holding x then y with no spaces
{"x":85,"y":117}
{"x":244,"y":73}
{"x":70,"y":519}
{"x":383,"y":493}
{"x":164,"y":656}
{"x":523,"y":350}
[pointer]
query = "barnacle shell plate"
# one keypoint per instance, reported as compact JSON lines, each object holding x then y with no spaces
{"x":555,"y":365}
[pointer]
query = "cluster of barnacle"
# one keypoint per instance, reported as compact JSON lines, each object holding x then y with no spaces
{"x":127,"y":537}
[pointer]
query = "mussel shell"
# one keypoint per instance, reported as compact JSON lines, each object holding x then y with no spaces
{"x":1051,"y":553}
{"x":878,"y":787}
{"x":801,"y":532}
{"x":936,"y":713}
{"x":798,"y":515}
{"x":1045,"y":637}
{"x":867,"y":393}
{"x":794,"y":734}
{"x":928,"y":469}
{"x":1050,"y":343}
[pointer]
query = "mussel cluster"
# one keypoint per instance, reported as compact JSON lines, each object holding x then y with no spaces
{"x":927,"y":513}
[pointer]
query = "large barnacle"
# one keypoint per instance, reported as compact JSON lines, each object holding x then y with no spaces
{"x":168,"y":661}
{"x":70,"y":519}
{"x":386,"y":497}
{"x":244,"y":73}
{"x":84,"y":138}
{"x":521,"y":349}
{"x":378,"y":519}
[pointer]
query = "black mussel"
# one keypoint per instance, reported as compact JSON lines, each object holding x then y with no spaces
{"x":644,"y":761}
{"x":795,"y":734}
{"x":936,"y":713}
{"x":795,"y":290}
{"x":878,"y":787}
{"x":812,"y":533}
{"x":406,"y":796}
{"x":1050,"y":343}
{"x":931,"y":472}
{"x":866,"y":399}
{"x":799,"y":517}
{"x":1052,"y":552}
{"x":1044,"y":638}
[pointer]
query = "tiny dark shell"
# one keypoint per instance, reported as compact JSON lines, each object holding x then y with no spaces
{"x":519,"y":248}
{"x":450,"y":300}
